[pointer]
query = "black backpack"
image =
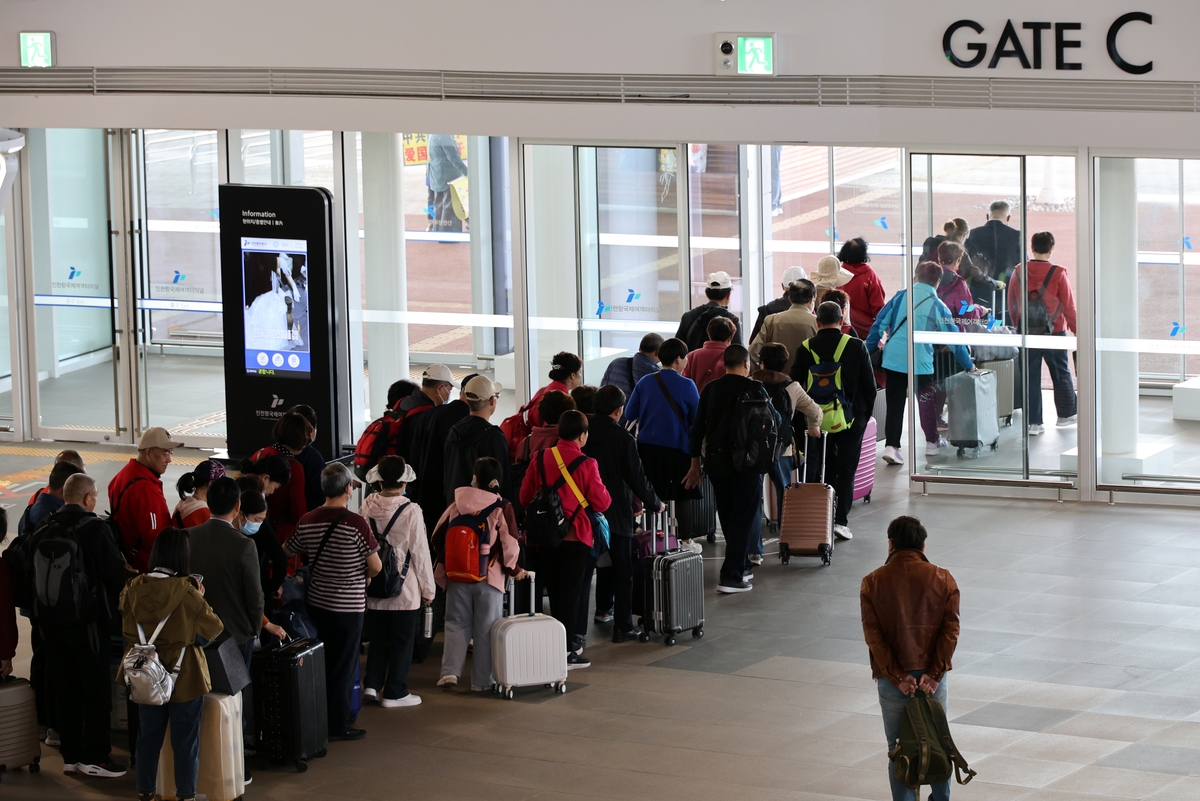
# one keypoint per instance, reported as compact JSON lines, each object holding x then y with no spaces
{"x":545,"y":522}
{"x":1038,"y":319}
{"x":782,"y":402}
{"x":16,"y":559}
{"x":754,"y":442}
{"x":389,"y":581}
{"x":697,"y":333}
{"x":63,"y":594}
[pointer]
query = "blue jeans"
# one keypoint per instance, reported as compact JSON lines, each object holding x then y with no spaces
{"x":892,"y":702}
{"x":781,"y":476}
{"x":185,"y":741}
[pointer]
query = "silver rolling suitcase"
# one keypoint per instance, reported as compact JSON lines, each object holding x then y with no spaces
{"x":672,"y":586}
{"x":19,"y":744}
{"x":528,"y":649}
{"x":971,"y":402}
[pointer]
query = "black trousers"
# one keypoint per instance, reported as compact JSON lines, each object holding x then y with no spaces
{"x":342,"y":634}
{"x":621,"y":550}
{"x":842,"y":453}
{"x":38,"y":680}
{"x":739,"y":505}
{"x":78,"y":671}
{"x":389,"y":655}
{"x":565,"y":566}
{"x":896,"y":393}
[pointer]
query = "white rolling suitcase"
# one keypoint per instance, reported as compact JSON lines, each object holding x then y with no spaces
{"x":528,"y":649}
{"x":19,"y":744}
{"x":222,"y":760}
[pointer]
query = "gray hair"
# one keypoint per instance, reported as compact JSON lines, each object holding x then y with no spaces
{"x":334,"y":480}
{"x":1000,"y":209}
{"x":78,"y":487}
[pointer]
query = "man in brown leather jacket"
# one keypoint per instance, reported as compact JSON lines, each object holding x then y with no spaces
{"x":910,"y":621}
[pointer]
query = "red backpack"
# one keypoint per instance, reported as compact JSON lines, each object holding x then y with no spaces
{"x":467,"y":548}
{"x":382,"y":438}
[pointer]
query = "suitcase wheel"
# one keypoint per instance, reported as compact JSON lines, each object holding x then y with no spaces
{"x":301,"y":766}
{"x":510,"y":693}
{"x":867,"y":498}
{"x":562,"y":687}
{"x":826,"y":553}
{"x":712,"y":537}
{"x":35,"y":766}
{"x":785,"y":554}
{"x":669,"y":639}
{"x":697,"y":632}
{"x":644,"y":636}
{"x":322,"y":753}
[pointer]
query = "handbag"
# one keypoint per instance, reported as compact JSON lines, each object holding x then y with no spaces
{"x":226,"y":667}
{"x":295,"y":588}
{"x":991,"y":353}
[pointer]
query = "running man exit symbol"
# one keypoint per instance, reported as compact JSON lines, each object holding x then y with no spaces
{"x":756,"y":55}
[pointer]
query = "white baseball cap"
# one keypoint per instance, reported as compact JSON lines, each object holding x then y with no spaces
{"x":438,"y":372}
{"x":792,"y":274}
{"x":157,"y":438}
{"x":719,"y":280}
{"x":481,"y":388}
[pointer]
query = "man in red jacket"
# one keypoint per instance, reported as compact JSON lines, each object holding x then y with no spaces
{"x":135,"y":497}
{"x":566,"y":564}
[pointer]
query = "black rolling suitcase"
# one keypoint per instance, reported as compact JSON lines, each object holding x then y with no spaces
{"x":289,"y":702}
{"x":672,"y":586}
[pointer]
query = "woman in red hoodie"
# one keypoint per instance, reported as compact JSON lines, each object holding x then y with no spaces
{"x":865,"y":290}
{"x":567,"y":563}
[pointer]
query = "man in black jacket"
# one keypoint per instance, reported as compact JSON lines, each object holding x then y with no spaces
{"x":779,"y":304}
{"x":842,"y":448}
{"x":615,"y":450}
{"x":693,"y":326}
{"x":472,"y":438}
{"x":995,"y":246}
{"x":430,"y":432}
{"x":77,"y":649}
{"x":738,"y":495}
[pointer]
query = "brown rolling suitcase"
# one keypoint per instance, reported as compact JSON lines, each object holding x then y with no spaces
{"x":807,"y":525}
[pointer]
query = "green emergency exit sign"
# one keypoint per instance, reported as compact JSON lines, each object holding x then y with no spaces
{"x":37,"y":49}
{"x":755,"y":55}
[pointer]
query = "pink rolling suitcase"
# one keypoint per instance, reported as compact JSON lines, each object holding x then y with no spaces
{"x":864,"y":477}
{"x":19,"y":744}
{"x":528,"y":649}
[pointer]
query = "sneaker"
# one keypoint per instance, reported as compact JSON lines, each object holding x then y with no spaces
{"x":408,"y":700}
{"x":943,"y":425}
{"x":370,"y":694}
{"x":755,"y":558}
{"x":742,"y":586}
{"x":893,"y":455}
{"x":1068,"y":421}
{"x":1036,"y":429}
{"x":248,"y":778}
{"x":53,"y":739}
{"x":934,"y":448}
{"x":777,"y":212}
{"x":105,"y":770}
{"x":842,"y":533}
{"x":747,"y":575}
{"x":348,"y":734}
{"x":604,"y":617}
{"x":448,"y":681}
{"x":625,"y":636}
{"x":70,"y":767}
{"x":577,"y":661}
{"x":691,"y":545}
{"x":475,"y":688}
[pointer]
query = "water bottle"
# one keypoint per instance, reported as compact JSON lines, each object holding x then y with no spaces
{"x":428,"y":622}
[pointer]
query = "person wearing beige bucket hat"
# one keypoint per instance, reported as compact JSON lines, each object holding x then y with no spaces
{"x":830,"y":275}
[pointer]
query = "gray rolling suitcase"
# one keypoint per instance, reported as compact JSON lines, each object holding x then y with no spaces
{"x":1006,"y":388}
{"x":672,"y":586}
{"x":971,"y":400}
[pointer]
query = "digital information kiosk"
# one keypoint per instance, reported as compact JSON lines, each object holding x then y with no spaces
{"x":280,"y":333}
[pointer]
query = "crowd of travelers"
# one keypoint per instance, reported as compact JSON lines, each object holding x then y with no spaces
{"x":660,"y":431}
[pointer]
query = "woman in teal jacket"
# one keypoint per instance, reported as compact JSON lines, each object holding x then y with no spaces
{"x":930,"y":314}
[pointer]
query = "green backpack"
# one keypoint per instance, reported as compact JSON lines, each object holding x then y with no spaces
{"x":925,"y":753}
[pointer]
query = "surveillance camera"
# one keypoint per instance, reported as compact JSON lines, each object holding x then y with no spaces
{"x":727,"y":47}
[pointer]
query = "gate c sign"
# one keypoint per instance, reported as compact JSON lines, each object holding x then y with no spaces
{"x":1010,"y":45}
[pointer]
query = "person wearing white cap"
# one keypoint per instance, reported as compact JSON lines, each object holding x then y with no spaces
{"x":474,"y":438}
{"x":693,"y":326}
{"x":391,"y":623}
{"x":791,"y":327}
{"x":135,"y":496}
{"x":437,"y":384}
{"x":780,"y":303}
{"x":429,"y":437}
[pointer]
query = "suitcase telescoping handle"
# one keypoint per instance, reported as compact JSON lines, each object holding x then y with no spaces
{"x":824,"y":449}
{"x":512,"y":595}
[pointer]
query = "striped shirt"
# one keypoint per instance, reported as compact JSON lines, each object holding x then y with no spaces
{"x":339,"y":578}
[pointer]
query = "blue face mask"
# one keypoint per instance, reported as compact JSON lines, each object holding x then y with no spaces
{"x":250,"y":528}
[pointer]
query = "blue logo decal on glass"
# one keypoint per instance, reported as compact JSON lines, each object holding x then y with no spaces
{"x":71,"y":276}
{"x":966,"y":307}
{"x":633,"y":296}
{"x":1177,"y":329}
{"x":178,"y":277}
{"x":881,"y":223}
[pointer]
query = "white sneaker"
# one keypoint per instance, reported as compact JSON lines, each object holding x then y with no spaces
{"x":70,"y":767}
{"x":893,"y":455}
{"x":934,"y":448}
{"x":755,"y":558}
{"x":691,"y":545}
{"x":1068,"y":421}
{"x":777,"y":212}
{"x":52,"y":738}
{"x":370,"y":694}
{"x":1036,"y":429}
{"x":408,"y":700}
{"x":448,"y":681}
{"x":842,"y":533}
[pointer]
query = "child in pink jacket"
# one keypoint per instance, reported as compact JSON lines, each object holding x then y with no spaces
{"x":472,"y":607}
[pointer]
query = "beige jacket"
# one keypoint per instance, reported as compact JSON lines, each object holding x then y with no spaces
{"x":407,"y":537}
{"x":790,"y":328}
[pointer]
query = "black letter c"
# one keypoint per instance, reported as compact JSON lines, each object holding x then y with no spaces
{"x":1121,"y":21}
{"x":979,"y":48}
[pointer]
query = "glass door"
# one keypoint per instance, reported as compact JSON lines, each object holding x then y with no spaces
{"x":78,"y":239}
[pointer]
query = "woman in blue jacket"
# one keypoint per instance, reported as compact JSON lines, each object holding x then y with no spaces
{"x":929,"y":314}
